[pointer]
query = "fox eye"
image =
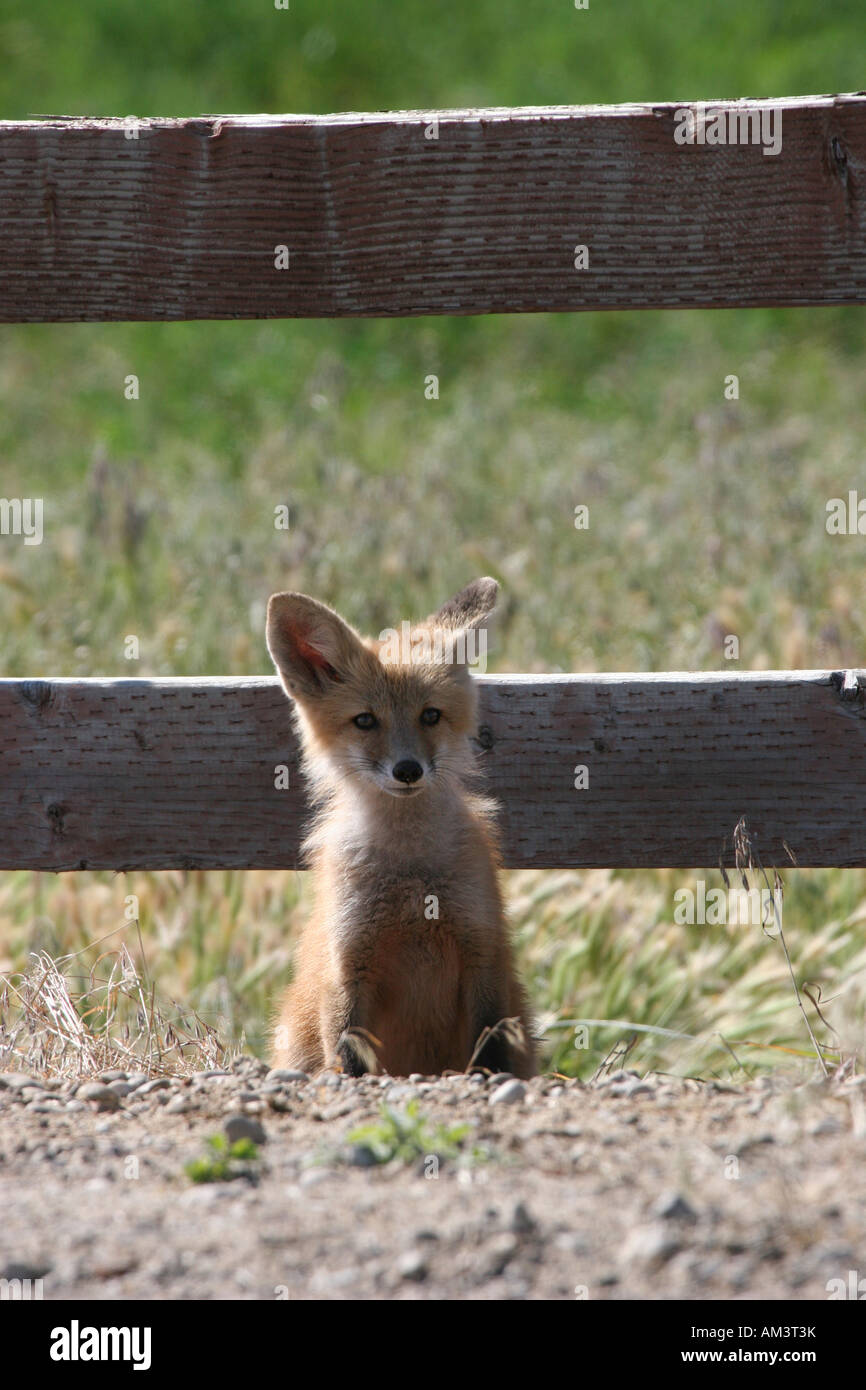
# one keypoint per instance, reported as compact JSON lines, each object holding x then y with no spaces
{"x":430,"y":716}
{"x":365,"y":720}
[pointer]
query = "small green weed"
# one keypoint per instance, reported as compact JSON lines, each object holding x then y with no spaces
{"x":224,"y":1162}
{"x":408,"y":1136}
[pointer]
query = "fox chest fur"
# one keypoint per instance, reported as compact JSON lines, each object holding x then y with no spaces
{"x":413,"y":955}
{"x":421,"y":923}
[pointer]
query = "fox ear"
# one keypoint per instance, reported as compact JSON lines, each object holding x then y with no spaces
{"x":470,"y":607}
{"x":310,"y":645}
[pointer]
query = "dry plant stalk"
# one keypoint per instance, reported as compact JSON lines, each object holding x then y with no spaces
{"x":49,"y":1027}
{"x":746,"y":860}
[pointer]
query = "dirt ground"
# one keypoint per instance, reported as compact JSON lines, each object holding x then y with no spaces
{"x":635,"y":1187}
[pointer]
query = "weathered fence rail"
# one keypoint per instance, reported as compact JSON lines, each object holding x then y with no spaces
{"x":166,"y":773}
{"x":452,"y":212}
{"x":460,"y":212}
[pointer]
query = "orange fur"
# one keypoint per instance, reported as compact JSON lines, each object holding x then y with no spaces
{"x":408,"y":944}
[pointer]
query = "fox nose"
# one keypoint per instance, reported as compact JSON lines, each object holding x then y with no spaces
{"x":408,"y":771}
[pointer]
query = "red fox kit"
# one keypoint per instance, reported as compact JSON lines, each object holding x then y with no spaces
{"x":406,"y":963}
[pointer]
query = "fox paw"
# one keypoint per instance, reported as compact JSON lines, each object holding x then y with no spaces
{"x":356,"y":1051}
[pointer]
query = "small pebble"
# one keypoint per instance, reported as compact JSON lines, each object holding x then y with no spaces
{"x":159,"y":1083}
{"x":522,"y":1223}
{"x":672,"y":1206}
{"x":509,"y":1093}
{"x":630,"y":1088}
{"x":396,"y":1095}
{"x":360,"y":1156}
{"x":244,"y":1127}
{"x":103,"y":1098}
{"x":280,"y":1103}
{"x":24,"y":1269}
{"x":312,"y":1177}
{"x":412,"y":1265}
{"x":649,"y":1245}
{"x":829,"y":1125}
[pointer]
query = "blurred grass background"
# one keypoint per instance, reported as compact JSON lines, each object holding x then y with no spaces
{"x":707,"y":515}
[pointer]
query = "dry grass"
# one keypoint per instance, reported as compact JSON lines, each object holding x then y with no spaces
{"x":609,"y":969}
{"x":50,"y":1028}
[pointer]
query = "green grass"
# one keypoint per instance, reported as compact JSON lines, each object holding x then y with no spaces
{"x":407,"y":1136}
{"x":707,"y":516}
{"x":116,"y":57}
{"x":223,"y":1162}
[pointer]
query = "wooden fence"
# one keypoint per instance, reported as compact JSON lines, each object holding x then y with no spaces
{"x":182,"y":219}
{"x":183,"y":773}
{"x":437,"y":213}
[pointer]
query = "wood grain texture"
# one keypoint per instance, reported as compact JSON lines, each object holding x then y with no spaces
{"x":182,"y":222}
{"x":180,"y":773}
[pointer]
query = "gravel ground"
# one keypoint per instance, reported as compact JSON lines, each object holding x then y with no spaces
{"x":635,"y":1187}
